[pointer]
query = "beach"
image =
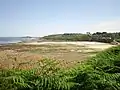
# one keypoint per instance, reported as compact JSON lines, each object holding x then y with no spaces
{"x":96,"y":45}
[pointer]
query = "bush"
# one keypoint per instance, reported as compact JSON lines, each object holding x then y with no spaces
{"x":101,"y":72}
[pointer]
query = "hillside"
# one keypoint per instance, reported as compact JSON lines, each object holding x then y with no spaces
{"x":98,"y":36}
{"x":67,"y":37}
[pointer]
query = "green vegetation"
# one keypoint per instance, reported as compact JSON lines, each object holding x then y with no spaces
{"x":105,"y":37}
{"x":47,"y":76}
{"x":101,"y":72}
{"x":98,"y":36}
{"x":68,"y":37}
{"x":118,"y":40}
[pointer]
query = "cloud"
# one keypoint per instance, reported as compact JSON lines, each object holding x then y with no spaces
{"x":106,"y":26}
{"x":73,"y":27}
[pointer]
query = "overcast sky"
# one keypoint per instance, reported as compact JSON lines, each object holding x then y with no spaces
{"x":43,"y":17}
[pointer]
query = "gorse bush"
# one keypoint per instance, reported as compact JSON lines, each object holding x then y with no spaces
{"x":101,"y":72}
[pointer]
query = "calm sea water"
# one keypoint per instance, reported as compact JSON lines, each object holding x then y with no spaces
{"x":7,"y":40}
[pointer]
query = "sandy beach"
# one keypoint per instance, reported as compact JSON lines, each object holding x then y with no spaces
{"x":96,"y":45}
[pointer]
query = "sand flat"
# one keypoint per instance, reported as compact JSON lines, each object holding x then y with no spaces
{"x":94,"y":45}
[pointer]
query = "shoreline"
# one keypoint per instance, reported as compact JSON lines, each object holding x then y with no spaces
{"x":89,"y":44}
{"x":98,"y":45}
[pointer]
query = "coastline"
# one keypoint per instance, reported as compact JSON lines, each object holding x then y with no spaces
{"x":98,"y":45}
{"x":89,"y":44}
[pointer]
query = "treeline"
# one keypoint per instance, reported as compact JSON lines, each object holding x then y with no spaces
{"x":105,"y":37}
{"x":98,"y":36}
{"x":68,"y":37}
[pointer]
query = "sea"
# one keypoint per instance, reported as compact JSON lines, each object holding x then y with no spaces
{"x":10,"y":40}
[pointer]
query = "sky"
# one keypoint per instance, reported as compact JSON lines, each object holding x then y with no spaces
{"x":44,"y":17}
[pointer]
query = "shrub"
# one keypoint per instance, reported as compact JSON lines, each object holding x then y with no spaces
{"x":101,"y":72}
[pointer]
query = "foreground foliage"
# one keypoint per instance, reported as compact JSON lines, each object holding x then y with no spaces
{"x":45,"y":77}
{"x":101,"y":72}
